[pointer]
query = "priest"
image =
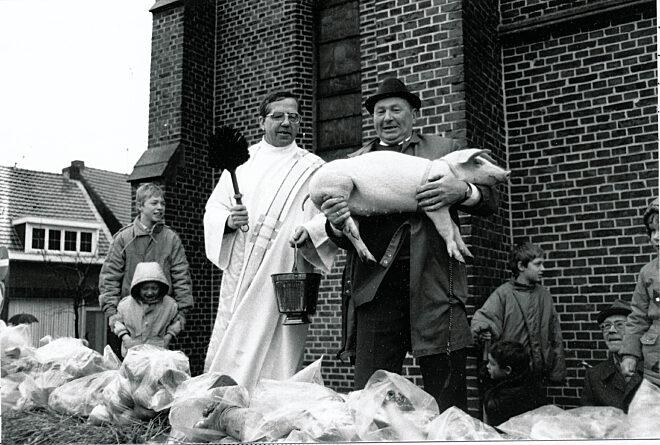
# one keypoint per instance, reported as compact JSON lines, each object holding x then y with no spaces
{"x":252,"y":240}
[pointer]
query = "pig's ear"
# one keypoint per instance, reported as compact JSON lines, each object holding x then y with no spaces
{"x":485,"y":153}
{"x":471,"y":153}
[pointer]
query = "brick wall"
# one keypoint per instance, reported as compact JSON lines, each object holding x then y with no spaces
{"x":181,"y":111}
{"x":263,"y":47}
{"x":420,"y":43}
{"x":581,"y":110}
{"x":166,"y":74}
{"x":513,"y":11}
{"x":579,"y":132}
{"x":488,"y":238}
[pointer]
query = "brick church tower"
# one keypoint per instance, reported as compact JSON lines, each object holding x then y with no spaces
{"x":564,"y":94}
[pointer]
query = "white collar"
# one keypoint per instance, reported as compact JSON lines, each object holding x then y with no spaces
{"x":268,"y":148}
{"x":380,"y":142}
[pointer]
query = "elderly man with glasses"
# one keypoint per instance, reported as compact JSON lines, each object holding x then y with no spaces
{"x":605,"y":384}
{"x":253,"y":240}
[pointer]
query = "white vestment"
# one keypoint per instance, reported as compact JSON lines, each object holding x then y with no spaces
{"x":248,"y":341}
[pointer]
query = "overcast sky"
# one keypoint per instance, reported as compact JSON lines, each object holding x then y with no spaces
{"x":74,"y":83}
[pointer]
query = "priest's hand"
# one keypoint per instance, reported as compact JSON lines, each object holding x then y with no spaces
{"x":299,"y":237}
{"x":238,"y":216}
{"x":440,"y":191}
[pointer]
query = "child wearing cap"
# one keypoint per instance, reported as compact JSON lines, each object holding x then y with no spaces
{"x":643,"y":323}
{"x":148,"y":315}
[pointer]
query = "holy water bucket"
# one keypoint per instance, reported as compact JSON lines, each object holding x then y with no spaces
{"x":297,"y":294}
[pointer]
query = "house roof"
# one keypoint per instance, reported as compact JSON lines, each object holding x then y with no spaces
{"x":113,"y":189}
{"x":28,"y":194}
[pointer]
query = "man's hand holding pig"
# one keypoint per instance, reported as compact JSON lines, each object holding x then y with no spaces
{"x":336,"y":211}
{"x":238,"y":217}
{"x":440,"y":191}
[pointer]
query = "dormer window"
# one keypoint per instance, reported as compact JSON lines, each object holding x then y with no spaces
{"x":38,"y":238}
{"x":85,"y":242}
{"x":62,"y":240}
{"x":58,"y":236}
{"x":54,"y":239}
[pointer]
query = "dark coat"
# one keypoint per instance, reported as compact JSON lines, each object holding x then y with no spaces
{"x":604,"y":385}
{"x":510,"y":397}
{"x":526,"y":314}
{"x":429,"y":264}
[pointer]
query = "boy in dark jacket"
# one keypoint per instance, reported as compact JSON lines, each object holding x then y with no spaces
{"x":146,"y":239}
{"x":522,"y":310}
{"x":512,"y":390}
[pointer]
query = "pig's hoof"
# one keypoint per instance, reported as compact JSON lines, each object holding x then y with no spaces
{"x":367,"y":257}
{"x":456,"y":254}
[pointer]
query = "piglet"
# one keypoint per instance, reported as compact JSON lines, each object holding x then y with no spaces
{"x":383,"y":182}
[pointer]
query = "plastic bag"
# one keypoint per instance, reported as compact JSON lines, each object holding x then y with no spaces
{"x":99,"y":415}
{"x":276,"y":408}
{"x":587,"y":422}
{"x":36,"y":387}
{"x":15,"y":344}
{"x":310,"y":374}
{"x":194,"y":400}
{"x":118,"y":400}
{"x":520,"y":427}
{"x":644,"y":412}
{"x":413,"y":405}
{"x":25,"y":363}
{"x":327,"y":421}
{"x":110,"y":360}
{"x":19,"y":336}
{"x":9,"y":391}
{"x":80,"y":396}
{"x":455,"y":424}
{"x":70,"y":355}
{"x":551,"y":422}
{"x":154,"y":374}
{"x":283,"y":406}
{"x":298,"y":437}
{"x":271,"y":395}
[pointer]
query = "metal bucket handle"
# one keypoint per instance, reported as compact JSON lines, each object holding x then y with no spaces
{"x":295,"y":259}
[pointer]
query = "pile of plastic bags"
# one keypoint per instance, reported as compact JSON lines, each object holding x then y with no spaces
{"x":69,"y":377}
{"x":30,"y":375}
{"x":390,"y":407}
{"x":65,"y":375}
{"x":591,"y":422}
{"x":144,"y":384}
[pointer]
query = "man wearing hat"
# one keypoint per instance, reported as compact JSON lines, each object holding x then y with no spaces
{"x":605,"y":384}
{"x":413,"y":299}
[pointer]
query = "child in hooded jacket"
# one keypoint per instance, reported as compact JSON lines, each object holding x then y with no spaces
{"x":642,"y":336}
{"x":148,"y":315}
{"x":511,"y":389}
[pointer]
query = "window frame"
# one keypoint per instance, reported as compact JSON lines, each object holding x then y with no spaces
{"x":62,"y":229}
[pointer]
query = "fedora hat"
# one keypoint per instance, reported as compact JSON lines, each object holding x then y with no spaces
{"x":392,"y":87}
{"x":620,"y":307}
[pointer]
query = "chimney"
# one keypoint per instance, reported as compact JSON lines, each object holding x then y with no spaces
{"x":73,"y":172}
